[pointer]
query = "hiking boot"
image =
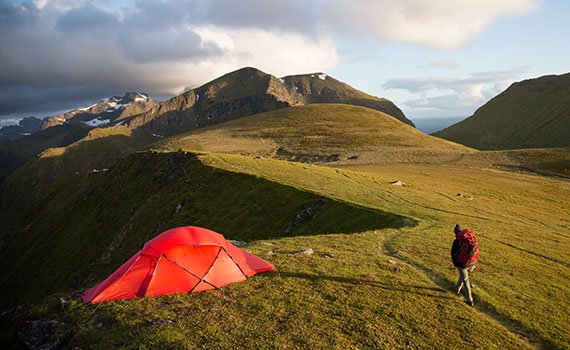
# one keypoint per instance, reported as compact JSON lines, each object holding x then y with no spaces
{"x":469,"y":302}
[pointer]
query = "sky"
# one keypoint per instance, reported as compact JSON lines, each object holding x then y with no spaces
{"x":434,"y":59}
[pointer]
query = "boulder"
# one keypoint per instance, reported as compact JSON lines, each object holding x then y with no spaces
{"x":397,"y":183}
{"x":44,"y":334}
{"x":305,"y":251}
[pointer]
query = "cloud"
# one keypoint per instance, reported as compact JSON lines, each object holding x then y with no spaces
{"x":452,"y":95}
{"x":436,"y":24}
{"x":60,"y":54}
{"x":443,"y":64}
{"x":64,"y":54}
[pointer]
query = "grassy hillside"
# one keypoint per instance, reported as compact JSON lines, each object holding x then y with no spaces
{"x":543,"y":161}
{"x":371,"y":281}
{"x":320,"y":133}
{"x":98,"y":220}
{"x":13,"y":154}
{"x":529,"y":114}
{"x":30,"y":187}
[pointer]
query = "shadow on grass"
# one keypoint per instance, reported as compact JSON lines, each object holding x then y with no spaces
{"x":95,"y":222}
{"x":400,"y":287}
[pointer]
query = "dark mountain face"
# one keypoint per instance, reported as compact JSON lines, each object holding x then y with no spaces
{"x":237,"y":94}
{"x":24,"y":128}
{"x":534,"y":113}
{"x":321,"y":88}
{"x":250,"y":91}
{"x":104,"y":112}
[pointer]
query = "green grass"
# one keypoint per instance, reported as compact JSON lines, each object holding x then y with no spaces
{"x":320,"y":133}
{"x":92,"y":226}
{"x":354,"y":299}
{"x":346,"y":295}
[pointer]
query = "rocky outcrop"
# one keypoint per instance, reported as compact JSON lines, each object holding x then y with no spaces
{"x":104,"y":112}
{"x":321,"y":88}
{"x":250,"y":91}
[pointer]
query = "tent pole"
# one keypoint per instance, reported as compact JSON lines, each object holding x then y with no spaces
{"x":190,"y":272}
{"x":239,"y":267}
{"x":207,"y":272}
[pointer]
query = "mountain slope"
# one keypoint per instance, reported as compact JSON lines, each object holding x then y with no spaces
{"x":103,"y":217}
{"x":320,"y":133}
{"x":105,"y":111}
{"x":249,"y":91}
{"x":24,"y":128}
{"x":33,"y":135}
{"x":321,"y":88}
{"x":529,"y":114}
{"x":14,"y":154}
{"x":374,"y":287}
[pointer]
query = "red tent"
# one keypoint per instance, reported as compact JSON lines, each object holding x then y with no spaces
{"x":181,"y":260}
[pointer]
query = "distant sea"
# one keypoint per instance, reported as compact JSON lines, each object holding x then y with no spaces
{"x":431,"y":125}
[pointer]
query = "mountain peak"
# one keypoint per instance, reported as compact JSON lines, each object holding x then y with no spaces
{"x":104,"y":111}
{"x":248,"y":91}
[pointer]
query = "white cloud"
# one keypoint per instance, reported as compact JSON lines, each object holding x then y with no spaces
{"x":56,"y":53}
{"x":451,"y":96}
{"x":437,"y":24}
{"x":277,"y":53}
{"x":88,"y":51}
{"x":444,"y":64}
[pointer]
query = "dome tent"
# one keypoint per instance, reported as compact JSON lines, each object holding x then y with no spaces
{"x":181,"y":260}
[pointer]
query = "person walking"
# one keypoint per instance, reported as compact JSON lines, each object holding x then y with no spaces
{"x":464,"y":254}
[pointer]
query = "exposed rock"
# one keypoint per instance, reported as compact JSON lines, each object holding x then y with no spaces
{"x":178,"y":207}
{"x":306,"y":215}
{"x":13,"y":311}
{"x":298,"y":220}
{"x":284,"y":154}
{"x":398,"y":269}
{"x":104,"y":112}
{"x":397,"y":183}
{"x":155,"y":323}
{"x":239,"y":243}
{"x":44,"y":334}
{"x":327,"y":255}
{"x":64,"y":302}
{"x":392,"y":262}
{"x":270,"y":253}
{"x":353,"y":157}
{"x":305,"y":251}
{"x":460,"y":195}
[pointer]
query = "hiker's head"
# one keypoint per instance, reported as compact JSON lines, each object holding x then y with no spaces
{"x":457,"y":229}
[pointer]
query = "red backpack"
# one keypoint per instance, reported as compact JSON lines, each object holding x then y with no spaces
{"x":469,"y":248}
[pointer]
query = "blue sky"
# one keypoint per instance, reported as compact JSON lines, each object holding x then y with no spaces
{"x":510,"y":49}
{"x":433,"y":59}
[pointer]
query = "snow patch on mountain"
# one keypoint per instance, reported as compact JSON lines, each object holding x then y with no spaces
{"x":97,"y":122}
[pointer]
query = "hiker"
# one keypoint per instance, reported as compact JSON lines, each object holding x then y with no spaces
{"x":464,"y":253}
